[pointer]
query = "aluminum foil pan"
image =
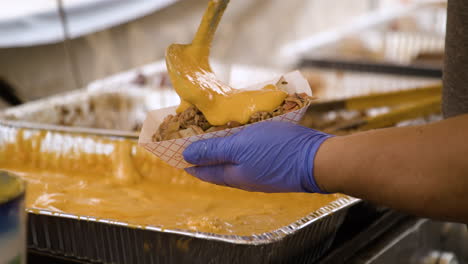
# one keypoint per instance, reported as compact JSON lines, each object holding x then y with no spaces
{"x":329,"y":84}
{"x":117,"y":111}
{"x":110,"y":241}
{"x":118,"y":105}
{"x":412,"y":35}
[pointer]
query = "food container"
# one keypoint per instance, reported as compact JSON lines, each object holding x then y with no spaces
{"x":117,"y":111}
{"x":402,"y":36}
{"x":331,"y":84}
{"x":118,"y":105}
{"x":171,"y":151}
{"x":375,"y":110}
{"x":12,"y":219}
{"x":110,"y":241}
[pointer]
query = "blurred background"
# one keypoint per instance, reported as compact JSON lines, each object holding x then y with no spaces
{"x":106,"y":37}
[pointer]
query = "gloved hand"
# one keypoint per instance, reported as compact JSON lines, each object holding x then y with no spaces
{"x":266,"y":157}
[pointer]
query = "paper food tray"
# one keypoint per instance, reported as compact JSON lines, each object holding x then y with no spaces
{"x":171,"y":151}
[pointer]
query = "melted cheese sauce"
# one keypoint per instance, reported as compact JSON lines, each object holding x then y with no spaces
{"x":118,"y":180}
{"x":196,"y":84}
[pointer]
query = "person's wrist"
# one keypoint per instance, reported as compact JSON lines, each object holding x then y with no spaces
{"x":326,"y":171}
{"x":310,"y":183}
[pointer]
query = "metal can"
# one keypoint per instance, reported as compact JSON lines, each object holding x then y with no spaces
{"x":12,"y":219}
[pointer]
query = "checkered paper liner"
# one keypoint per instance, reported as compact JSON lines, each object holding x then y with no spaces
{"x":171,"y":151}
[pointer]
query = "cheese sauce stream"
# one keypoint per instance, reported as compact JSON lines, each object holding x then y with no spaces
{"x":118,"y":180}
{"x":196,"y":84}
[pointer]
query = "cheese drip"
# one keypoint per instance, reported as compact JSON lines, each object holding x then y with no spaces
{"x":196,"y":84}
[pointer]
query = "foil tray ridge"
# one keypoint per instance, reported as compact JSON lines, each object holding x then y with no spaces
{"x":109,"y":243}
{"x":255,"y":239}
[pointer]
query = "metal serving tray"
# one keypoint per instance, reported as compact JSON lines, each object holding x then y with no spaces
{"x":117,"y":111}
{"x":110,"y":241}
{"x":118,"y":105}
{"x":395,"y":36}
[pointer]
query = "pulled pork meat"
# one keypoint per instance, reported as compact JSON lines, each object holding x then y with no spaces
{"x":192,"y":122}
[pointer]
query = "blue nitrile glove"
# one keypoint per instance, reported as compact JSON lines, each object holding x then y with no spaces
{"x":265,"y":157}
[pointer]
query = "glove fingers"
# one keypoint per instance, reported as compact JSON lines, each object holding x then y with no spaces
{"x":212,"y":174}
{"x":207,"y":152}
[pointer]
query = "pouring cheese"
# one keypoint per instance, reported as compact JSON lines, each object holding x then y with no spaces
{"x":196,"y":84}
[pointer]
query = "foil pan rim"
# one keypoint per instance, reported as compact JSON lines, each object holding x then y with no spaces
{"x":256,"y":239}
{"x":69,"y":129}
